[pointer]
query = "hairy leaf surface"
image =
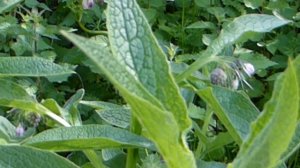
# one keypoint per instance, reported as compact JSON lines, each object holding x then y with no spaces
{"x":234,"y":110}
{"x":139,"y":70}
{"x":31,"y":66}
{"x":239,"y":28}
{"x":87,"y":137}
{"x":20,"y":156}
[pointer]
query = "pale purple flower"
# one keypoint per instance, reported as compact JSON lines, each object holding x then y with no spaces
{"x":235,"y":84}
{"x":20,"y":130}
{"x":88,"y":4}
{"x":248,"y":69}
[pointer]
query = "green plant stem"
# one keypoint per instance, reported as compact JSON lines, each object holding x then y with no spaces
{"x":52,"y":115}
{"x":94,"y":158}
{"x":200,"y":62}
{"x":182,"y":23}
{"x":91,"y":31}
{"x":132,"y":154}
{"x":207,"y":119}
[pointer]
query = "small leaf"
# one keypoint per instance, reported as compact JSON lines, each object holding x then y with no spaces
{"x":87,"y":137}
{"x":30,"y":66}
{"x":202,"y":25}
{"x":100,"y":104}
{"x":71,"y":107}
{"x":18,"y":156}
{"x":253,"y":4}
{"x":119,"y":117}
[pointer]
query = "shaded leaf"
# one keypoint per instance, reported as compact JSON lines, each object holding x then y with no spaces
{"x":6,"y":5}
{"x":19,"y":156}
{"x":7,"y":130}
{"x":234,"y":110}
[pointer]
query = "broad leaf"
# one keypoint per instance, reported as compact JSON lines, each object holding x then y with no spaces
{"x":239,"y":28}
{"x":19,"y":156}
{"x":87,"y":137}
{"x":295,"y":142}
{"x":31,"y":66}
{"x":134,"y":45}
{"x":272,"y":132}
{"x":234,"y":110}
{"x":139,"y":70}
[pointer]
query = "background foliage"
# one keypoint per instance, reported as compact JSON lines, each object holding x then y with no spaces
{"x":125,"y":91}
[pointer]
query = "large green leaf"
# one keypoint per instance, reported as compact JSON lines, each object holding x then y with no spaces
{"x":295,"y":142}
{"x":31,"y":66}
{"x":239,"y":28}
{"x":87,"y":137}
{"x":133,"y":43}
{"x":19,"y":156}
{"x":272,"y":132}
{"x":7,"y":4}
{"x":139,"y":70}
{"x":234,"y":110}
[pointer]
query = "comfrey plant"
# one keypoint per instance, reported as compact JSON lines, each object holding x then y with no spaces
{"x":158,"y":119}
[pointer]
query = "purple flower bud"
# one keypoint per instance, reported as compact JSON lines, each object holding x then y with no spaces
{"x":248,"y":69}
{"x":20,"y":130}
{"x":34,"y":119}
{"x":218,"y":77}
{"x":88,"y":4}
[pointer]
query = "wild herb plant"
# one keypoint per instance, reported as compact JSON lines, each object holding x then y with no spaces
{"x":172,"y":101}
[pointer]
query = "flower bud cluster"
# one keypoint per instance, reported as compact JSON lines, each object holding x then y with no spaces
{"x":233,"y":76}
